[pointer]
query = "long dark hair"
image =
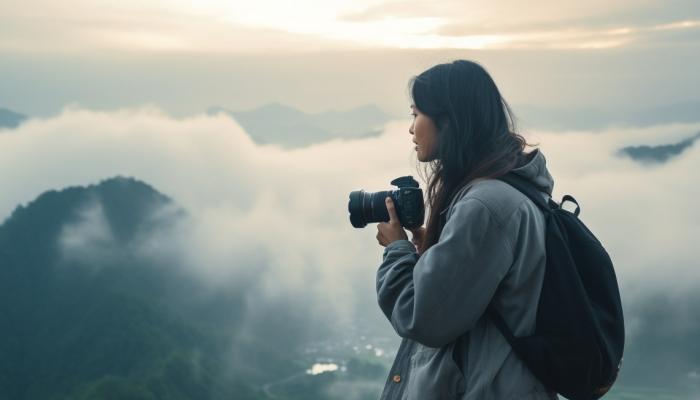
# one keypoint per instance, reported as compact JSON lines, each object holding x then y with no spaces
{"x":476,"y":133}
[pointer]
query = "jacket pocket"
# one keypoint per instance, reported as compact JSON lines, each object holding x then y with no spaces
{"x":434,"y":374}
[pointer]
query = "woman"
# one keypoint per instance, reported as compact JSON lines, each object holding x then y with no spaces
{"x":483,"y":245}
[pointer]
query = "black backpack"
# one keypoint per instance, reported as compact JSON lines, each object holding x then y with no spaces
{"x":576,"y":349}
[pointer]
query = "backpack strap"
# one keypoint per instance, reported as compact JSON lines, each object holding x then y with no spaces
{"x":535,"y":195}
{"x":528,"y":189}
{"x":501,"y":325}
{"x":570,"y":198}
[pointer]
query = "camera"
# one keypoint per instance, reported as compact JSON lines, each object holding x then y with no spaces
{"x":367,"y":207}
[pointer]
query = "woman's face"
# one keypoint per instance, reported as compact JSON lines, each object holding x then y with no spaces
{"x":424,"y":133}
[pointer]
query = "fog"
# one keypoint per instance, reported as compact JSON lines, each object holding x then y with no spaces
{"x":281,"y":215}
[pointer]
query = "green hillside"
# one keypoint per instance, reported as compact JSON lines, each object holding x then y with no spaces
{"x":85,"y":315}
{"x":119,"y":328}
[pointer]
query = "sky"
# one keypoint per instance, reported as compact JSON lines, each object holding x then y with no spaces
{"x":317,"y":55}
{"x":245,"y":26}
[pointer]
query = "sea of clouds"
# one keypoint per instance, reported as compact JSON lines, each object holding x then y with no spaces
{"x":284,"y":212}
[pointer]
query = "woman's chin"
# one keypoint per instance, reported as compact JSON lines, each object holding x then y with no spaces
{"x":422,"y":157}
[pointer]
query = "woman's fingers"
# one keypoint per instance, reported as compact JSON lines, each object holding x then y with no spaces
{"x":392,"y":230}
{"x":418,"y":232}
{"x":417,"y":236}
{"x":393,"y":217}
{"x":380,"y":237}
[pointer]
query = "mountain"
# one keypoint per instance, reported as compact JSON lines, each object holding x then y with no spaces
{"x":10,"y":119}
{"x":88,"y":312}
{"x":658,"y":154}
{"x":276,"y":123}
{"x":84,"y":315}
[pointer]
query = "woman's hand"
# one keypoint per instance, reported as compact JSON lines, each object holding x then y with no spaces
{"x":391,"y":231}
{"x":417,"y":239}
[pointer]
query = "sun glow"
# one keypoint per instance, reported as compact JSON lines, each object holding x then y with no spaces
{"x":225,"y":26}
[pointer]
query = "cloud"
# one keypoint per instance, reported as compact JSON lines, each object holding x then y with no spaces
{"x":577,"y":34}
{"x":89,"y":238}
{"x":645,"y":215}
{"x":512,"y":15}
{"x":80,"y":26}
{"x":281,"y":215}
{"x":215,"y":26}
{"x":541,"y":24}
{"x":284,"y":212}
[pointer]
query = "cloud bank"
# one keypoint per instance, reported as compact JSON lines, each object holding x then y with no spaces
{"x":284,"y":212}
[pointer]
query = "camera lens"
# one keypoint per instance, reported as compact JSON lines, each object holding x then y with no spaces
{"x":367,"y":207}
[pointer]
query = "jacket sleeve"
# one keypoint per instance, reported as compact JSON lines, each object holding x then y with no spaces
{"x":435,"y":298}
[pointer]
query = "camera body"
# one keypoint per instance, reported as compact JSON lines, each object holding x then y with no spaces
{"x":368,"y":207}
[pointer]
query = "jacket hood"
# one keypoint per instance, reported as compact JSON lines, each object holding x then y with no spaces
{"x":535,"y":170}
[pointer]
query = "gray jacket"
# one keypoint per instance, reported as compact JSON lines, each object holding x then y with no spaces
{"x":491,"y":250}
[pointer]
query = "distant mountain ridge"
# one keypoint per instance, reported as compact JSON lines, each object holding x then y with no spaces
{"x":10,"y":119}
{"x":658,"y":154}
{"x":275,"y":123}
